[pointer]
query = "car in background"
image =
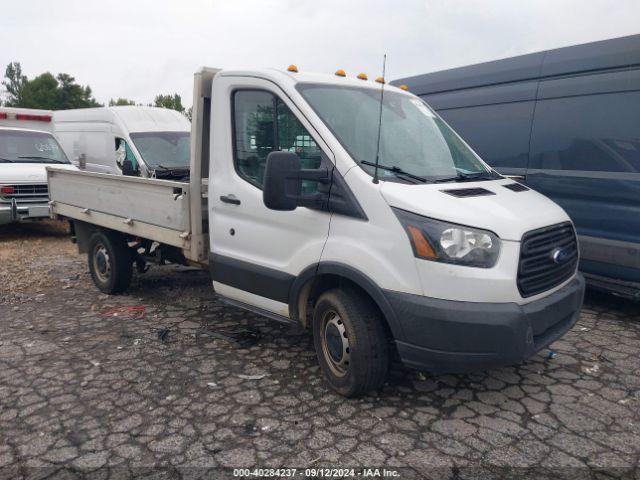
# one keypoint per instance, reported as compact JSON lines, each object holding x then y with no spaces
{"x":565,"y":122}
{"x":27,"y":147}
{"x":146,"y":142}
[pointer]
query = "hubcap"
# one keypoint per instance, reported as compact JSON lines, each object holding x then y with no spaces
{"x":335,"y":343}
{"x":101,"y":263}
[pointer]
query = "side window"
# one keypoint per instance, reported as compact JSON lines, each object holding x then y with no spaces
{"x":123,"y":152}
{"x":598,"y":133}
{"x":262,"y":124}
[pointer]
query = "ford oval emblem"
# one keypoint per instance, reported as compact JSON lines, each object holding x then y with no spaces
{"x":560,"y":255}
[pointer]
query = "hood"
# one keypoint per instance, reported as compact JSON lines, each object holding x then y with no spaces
{"x":507,"y":213}
{"x":14,"y":173}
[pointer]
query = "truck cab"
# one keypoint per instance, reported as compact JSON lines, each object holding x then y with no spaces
{"x":350,"y":207}
{"x":27,"y":146}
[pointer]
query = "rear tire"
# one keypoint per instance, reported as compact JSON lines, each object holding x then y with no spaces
{"x":110,"y":262}
{"x":351,"y":342}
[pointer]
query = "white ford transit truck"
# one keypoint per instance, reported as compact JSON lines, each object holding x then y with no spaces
{"x":350,"y":207}
{"x":26,"y":148}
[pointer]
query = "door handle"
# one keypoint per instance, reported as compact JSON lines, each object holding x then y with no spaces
{"x":230,"y":199}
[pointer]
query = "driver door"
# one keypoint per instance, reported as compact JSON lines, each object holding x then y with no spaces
{"x":256,"y":253}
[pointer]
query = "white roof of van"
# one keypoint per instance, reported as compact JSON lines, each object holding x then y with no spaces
{"x":278,"y":75}
{"x":133,"y":118}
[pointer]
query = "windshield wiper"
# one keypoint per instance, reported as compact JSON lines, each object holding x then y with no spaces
{"x":36,"y":157}
{"x":467,"y":177}
{"x":171,"y":168}
{"x":396,"y":170}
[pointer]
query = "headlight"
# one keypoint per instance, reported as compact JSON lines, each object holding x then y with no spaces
{"x":449,"y":243}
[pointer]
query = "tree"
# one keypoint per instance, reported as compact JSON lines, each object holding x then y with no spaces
{"x":121,"y":102}
{"x":173,"y":102}
{"x":72,"y":95}
{"x":41,"y":92}
{"x":45,"y":91}
{"x":13,"y":84}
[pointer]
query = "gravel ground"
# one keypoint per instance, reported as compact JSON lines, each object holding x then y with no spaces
{"x":169,"y":382}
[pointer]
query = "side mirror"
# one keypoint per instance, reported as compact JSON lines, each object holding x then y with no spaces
{"x":127,"y":168}
{"x":281,"y":187}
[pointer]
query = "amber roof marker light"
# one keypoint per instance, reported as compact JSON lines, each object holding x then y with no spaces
{"x":292,"y":68}
{"x":340,"y":73}
{"x":362,"y":76}
{"x":403,"y":87}
{"x":380,"y":80}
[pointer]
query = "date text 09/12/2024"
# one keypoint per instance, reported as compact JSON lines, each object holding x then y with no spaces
{"x":315,"y":472}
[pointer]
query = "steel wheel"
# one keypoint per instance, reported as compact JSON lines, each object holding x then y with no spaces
{"x":101,"y":263}
{"x":110,"y":261}
{"x":335,"y":343}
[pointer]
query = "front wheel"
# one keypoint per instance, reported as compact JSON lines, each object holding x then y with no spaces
{"x":110,"y":262}
{"x":350,"y":342}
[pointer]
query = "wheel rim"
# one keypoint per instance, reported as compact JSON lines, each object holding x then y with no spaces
{"x":101,"y":263}
{"x":335,"y":343}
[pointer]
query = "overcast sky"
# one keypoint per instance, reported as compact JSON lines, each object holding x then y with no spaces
{"x":139,"y":48}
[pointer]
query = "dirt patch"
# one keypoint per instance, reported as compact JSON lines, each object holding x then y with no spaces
{"x":35,"y":257}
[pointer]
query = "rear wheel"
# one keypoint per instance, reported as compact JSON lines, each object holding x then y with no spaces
{"x":110,"y":262}
{"x":350,"y":342}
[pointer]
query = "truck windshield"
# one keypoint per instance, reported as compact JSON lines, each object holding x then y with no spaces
{"x":163,"y":149}
{"x":20,"y":146}
{"x":413,"y":139}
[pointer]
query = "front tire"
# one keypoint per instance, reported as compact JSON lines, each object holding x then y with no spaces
{"x":350,"y":341}
{"x":110,"y":262}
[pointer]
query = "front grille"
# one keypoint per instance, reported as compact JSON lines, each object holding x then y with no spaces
{"x":538,"y":271}
{"x":27,"y":193}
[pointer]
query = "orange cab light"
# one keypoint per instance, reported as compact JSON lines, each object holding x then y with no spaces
{"x":380,"y":80}
{"x":422,"y":246}
{"x":362,"y":76}
{"x":403,"y":87}
{"x":292,"y":68}
{"x":340,"y":73}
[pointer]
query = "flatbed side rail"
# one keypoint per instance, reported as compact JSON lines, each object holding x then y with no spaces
{"x":146,"y":207}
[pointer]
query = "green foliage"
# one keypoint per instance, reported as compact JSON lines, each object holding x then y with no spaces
{"x":173,"y":102}
{"x":13,"y":84}
{"x":45,"y":91}
{"x":41,"y":92}
{"x":120,"y":102}
{"x":72,"y":95}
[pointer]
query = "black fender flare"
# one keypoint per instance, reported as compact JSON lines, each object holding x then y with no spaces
{"x":353,"y":275}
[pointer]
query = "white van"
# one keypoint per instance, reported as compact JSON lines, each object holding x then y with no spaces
{"x":147,"y":142}
{"x":431,"y":255}
{"x":26,"y":148}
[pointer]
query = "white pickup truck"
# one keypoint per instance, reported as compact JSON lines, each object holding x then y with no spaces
{"x":361,"y":216}
{"x":27,"y":146}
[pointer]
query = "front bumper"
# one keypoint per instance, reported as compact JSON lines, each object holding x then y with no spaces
{"x":444,"y":336}
{"x":15,"y":212}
